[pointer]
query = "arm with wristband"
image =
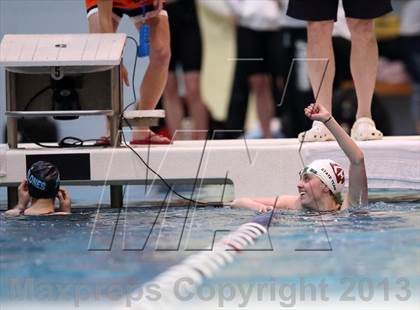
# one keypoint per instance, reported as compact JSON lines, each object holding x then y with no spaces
{"x":357,"y":194}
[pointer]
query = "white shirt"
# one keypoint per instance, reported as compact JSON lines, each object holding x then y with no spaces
{"x":410,"y":18}
{"x":259,"y":15}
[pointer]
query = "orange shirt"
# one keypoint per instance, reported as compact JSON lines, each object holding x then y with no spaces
{"x":122,"y":4}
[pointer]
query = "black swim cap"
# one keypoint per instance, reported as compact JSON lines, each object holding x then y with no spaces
{"x":43,"y":180}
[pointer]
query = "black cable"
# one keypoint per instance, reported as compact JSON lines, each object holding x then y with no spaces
{"x":63,"y":143}
{"x":160,"y":177}
{"x":36,"y":96}
{"x":133,"y":76}
{"x":28,"y":138}
{"x":77,"y":142}
{"x":132,"y":149}
{"x":22,"y":131}
{"x":133,"y":89}
{"x":138,"y":156}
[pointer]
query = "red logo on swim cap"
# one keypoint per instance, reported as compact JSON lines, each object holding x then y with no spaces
{"x":338,"y":172}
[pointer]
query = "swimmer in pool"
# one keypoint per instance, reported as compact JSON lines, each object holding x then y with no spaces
{"x":321,"y":182}
{"x":39,"y":190}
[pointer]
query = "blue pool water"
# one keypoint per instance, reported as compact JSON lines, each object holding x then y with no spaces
{"x":377,"y":244}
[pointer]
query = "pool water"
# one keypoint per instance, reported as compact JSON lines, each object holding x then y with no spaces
{"x":369,"y":253}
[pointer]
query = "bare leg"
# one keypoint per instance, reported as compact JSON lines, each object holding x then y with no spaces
{"x":196,"y":106}
{"x":94,"y":27}
{"x":261,"y":87}
{"x":93,"y":22}
{"x":320,"y":46}
{"x":156,"y":75}
{"x":173,"y":105}
{"x":363,"y":63}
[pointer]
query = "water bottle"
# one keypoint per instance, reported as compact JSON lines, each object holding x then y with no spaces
{"x":143,"y":49}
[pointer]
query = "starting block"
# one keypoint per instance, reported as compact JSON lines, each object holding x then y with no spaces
{"x":64,"y":76}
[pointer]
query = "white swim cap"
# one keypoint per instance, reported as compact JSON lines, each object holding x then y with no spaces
{"x":329,"y":172}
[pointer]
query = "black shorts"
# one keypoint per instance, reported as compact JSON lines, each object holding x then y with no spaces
{"x":260,"y":51}
{"x":186,"y":43}
{"x":320,"y":10}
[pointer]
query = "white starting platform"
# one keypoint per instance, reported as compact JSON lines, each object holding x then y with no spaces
{"x":256,"y":168}
{"x":67,"y":76}
{"x":62,"y":75}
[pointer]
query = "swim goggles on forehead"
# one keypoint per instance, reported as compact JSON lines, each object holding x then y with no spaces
{"x":307,"y":170}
